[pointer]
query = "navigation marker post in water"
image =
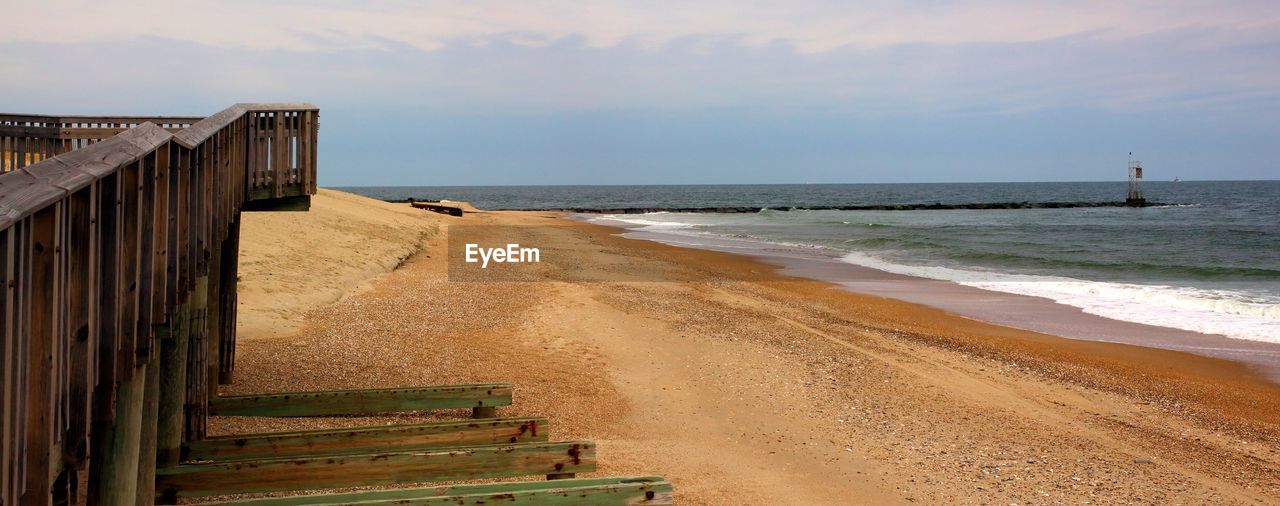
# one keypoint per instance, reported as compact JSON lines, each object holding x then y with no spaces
{"x":1135,"y":198}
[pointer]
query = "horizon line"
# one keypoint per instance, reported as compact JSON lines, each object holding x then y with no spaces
{"x":798,"y":184}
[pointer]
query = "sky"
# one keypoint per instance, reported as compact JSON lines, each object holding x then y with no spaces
{"x":651,"y":92}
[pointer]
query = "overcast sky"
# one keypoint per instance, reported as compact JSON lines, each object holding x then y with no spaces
{"x":436,"y":93}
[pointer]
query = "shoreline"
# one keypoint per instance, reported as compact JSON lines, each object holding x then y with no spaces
{"x":1022,"y":312}
{"x":742,"y":384}
{"x":1145,"y":362}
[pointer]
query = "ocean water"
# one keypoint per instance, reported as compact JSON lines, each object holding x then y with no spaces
{"x":1209,"y":262}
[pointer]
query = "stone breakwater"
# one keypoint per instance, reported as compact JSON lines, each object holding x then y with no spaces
{"x":885,"y":207}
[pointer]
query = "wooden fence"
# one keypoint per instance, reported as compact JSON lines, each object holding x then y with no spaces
{"x":26,"y":139}
{"x":118,"y":259}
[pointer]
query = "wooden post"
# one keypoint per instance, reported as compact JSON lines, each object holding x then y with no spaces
{"x":197,"y":401}
{"x":226,"y":323}
{"x":146,"y":477}
{"x":213,"y":313}
{"x":173,"y":388}
{"x":279,"y":156}
{"x":115,"y":451}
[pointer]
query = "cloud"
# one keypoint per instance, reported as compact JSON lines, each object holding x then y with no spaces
{"x":936,"y":55}
{"x":1198,"y":67}
{"x":438,"y":92}
{"x":811,"y":26}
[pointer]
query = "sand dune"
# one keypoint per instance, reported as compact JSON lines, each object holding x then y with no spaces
{"x":291,"y":262}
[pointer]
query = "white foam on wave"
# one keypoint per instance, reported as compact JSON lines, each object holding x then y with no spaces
{"x":646,"y":222}
{"x":1223,"y":312}
{"x":1228,"y":313}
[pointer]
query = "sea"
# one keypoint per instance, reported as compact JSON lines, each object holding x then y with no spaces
{"x":1207,"y":260}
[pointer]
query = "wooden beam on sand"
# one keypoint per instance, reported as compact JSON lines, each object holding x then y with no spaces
{"x":292,"y":190}
{"x":437,"y":207}
{"x":372,"y":469}
{"x":363,"y":402}
{"x":299,"y":203}
{"x":398,"y":438}
{"x":649,"y":490}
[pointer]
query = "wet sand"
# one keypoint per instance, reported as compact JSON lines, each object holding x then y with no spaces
{"x":746,"y":386}
{"x":1013,"y":310}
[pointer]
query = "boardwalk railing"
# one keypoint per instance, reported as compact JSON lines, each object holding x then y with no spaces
{"x":26,"y":139}
{"x":118,"y":260}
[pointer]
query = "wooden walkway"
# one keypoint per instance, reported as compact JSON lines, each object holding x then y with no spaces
{"x":119,"y":244}
{"x":118,"y":241}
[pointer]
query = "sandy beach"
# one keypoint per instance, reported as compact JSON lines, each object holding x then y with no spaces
{"x":739,"y":384}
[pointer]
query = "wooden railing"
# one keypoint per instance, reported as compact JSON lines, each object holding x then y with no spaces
{"x":26,"y":139}
{"x":117,"y":266}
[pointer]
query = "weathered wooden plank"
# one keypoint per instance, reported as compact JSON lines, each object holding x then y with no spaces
{"x":173,"y":239}
{"x":278,"y":106}
{"x":147,"y":188}
{"x":647,"y":490}
{"x":264,"y":193}
{"x":196,"y":480}
{"x":179,"y":247}
{"x":82,"y":296}
{"x":57,"y":173}
{"x":439,"y":208}
{"x":108,"y":283}
{"x":78,"y":119}
{"x":23,"y":192}
{"x":160,"y":221}
{"x":106,"y":133}
{"x":21,"y":328}
{"x":369,"y":439}
{"x":8,"y":364}
{"x":295,"y":203}
{"x":110,"y":154}
{"x":39,"y":132}
{"x":359,"y":402}
{"x":197,"y":133}
{"x":279,"y":154}
{"x":304,"y":148}
{"x":128,"y":264}
{"x":61,"y":346}
{"x":39,"y":395}
{"x":19,"y":118}
{"x":204,"y":210}
{"x":213,"y":317}
{"x":229,"y":272}
{"x":23,"y":150}
{"x":201,"y":131}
